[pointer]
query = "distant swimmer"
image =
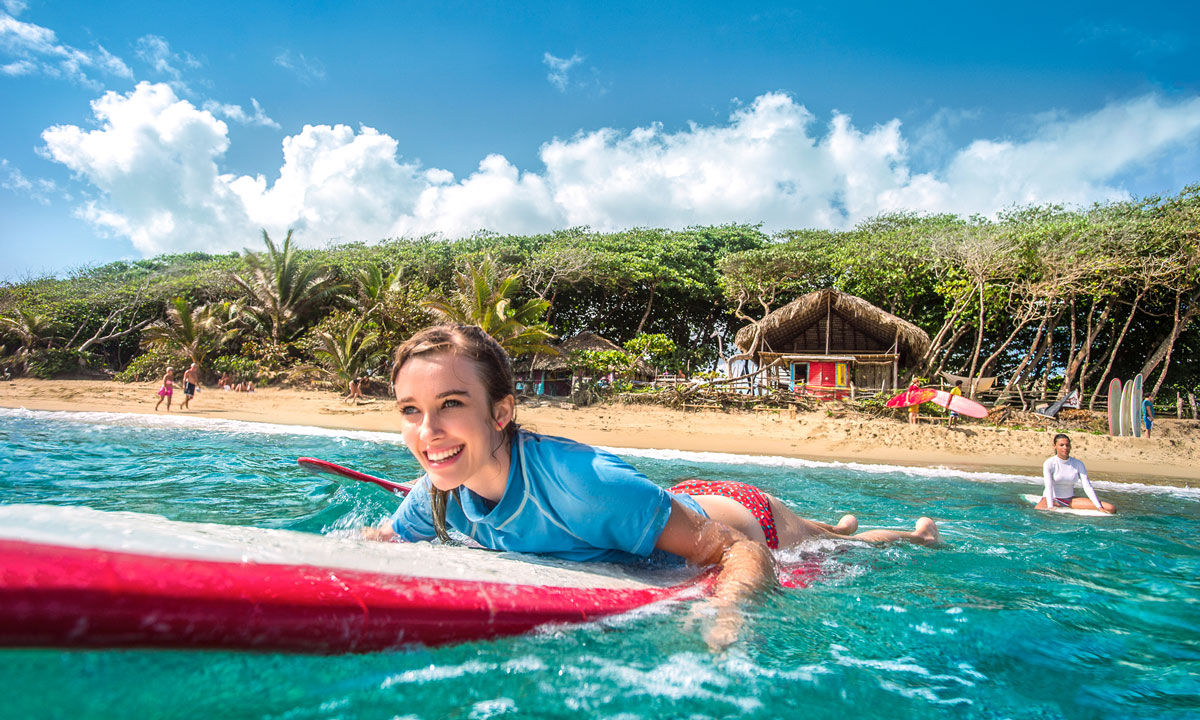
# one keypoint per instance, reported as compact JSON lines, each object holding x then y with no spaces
{"x":1061,"y":472}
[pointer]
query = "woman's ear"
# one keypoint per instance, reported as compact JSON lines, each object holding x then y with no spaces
{"x":503,"y":411}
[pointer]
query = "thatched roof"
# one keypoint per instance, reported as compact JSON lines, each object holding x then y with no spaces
{"x":583,"y":341}
{"x":783,"y":325}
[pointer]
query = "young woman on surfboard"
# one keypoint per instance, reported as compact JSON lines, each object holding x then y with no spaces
{"x":511,"y":489}
{"x":1061,"y":472}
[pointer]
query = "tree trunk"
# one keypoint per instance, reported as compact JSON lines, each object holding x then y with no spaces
{"x":1085,"y":358}
{"x":1043,"y":380}
{"x":1072,"y":352}
{"x":1016,"y":376}
{"x":646,"y":315}
{"x":936,"y":346}
{"x":962,"y":330}
{"x":978,"y":337}
{"x":1167,"y":347}
{"x":1112,"y":355}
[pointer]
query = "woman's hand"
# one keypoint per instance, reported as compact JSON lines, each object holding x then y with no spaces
{"x":746,"y":567}
{"x":383,"y":533}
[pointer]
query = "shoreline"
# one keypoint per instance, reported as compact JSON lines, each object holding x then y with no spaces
{"x":1172,"y":455}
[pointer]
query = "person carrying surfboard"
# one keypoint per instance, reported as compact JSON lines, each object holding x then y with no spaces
{"x":956,"y":390}
{"x":511,"y":489}
{"x":1061,"y":472}
{"x":913,"y":410}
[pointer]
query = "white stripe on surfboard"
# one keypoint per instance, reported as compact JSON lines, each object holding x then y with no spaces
{"x":154,"y":535}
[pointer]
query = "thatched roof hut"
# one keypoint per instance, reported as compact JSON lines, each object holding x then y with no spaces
{"x":583,"y":341}
{"x":829,"y":325}
{"x":858,"y":326}
{"x":547,"y":374}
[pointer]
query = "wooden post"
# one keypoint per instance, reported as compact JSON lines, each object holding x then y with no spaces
{"x":1178,"y":406}
{"x":1192,"y":400}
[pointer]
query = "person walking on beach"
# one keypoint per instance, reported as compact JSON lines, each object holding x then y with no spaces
{"x":1060,"y":473}
{"x":191,"y":380}
{"x":1148,"y":413}
{"x":521,"y":491}
{"x":956,"y":390}
{"x":913,"y":410}
{"x":167,"y":388}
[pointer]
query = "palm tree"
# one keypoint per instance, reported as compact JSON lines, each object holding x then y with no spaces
{"x":482,"y":297}
{"x":374,"y":286}
{"x":282,"y":291}
{"x":31,"y":330}
{"x":195,"y":331}
{"x":347,"y":356}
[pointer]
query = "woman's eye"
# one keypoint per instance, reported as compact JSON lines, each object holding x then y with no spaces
{"x":408,"y":410}
{"x":451,"y":402}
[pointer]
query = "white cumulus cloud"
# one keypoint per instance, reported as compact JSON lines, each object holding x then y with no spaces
{"x":154,"y":161}
{"x":34,"y":49}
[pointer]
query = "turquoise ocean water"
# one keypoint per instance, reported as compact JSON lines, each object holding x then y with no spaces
{"x":1019,"y":615}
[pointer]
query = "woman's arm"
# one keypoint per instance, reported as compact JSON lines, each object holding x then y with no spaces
{"x":1048,"y":477}
{"x":1087,"y":486}
{"x":746,"y":566}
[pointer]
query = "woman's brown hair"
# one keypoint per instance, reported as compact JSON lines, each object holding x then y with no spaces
{"x":495,"y":370}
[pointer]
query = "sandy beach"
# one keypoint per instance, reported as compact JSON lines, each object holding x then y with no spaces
{"x":1171,"y":456}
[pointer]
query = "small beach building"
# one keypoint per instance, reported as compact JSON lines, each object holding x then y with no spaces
{"x":828,"y":343}
{"x":551,"y":375}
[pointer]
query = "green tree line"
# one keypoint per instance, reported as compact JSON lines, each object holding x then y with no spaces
{"x":1046,"y":298}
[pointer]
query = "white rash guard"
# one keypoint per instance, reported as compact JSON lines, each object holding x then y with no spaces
{"x":1060,"y":477}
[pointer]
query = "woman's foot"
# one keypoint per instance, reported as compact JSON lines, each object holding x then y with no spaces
{"x":926,"y":531}
{"x":848,"y":525}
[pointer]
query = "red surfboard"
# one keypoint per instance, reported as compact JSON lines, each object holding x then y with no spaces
{"x":328,"y":468}
{"x":133,"y":580}
{"x":908,"y":398}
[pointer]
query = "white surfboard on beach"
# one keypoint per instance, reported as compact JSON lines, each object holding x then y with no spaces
{"x":1034,"y":499}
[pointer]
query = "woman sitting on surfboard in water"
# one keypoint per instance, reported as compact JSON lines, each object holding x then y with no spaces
{"x":1061,"y":472}
{"x":511,"y":489}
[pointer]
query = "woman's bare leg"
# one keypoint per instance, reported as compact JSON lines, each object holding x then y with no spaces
{"x":1082,"y":503}
{"x":794,"y":529}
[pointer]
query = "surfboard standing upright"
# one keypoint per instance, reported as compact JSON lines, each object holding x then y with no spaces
{"x":1136,"y":421}
{"x":1114,"y":407}
{"x":1124,"y":410}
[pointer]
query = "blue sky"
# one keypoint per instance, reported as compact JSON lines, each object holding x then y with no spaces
{"x":133,"y":128}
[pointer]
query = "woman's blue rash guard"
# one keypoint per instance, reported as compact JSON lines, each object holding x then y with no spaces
{"x":563,"y":498}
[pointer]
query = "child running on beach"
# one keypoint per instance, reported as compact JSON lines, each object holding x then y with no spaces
{"x":511,"y":489}
{"x":167,"y":388}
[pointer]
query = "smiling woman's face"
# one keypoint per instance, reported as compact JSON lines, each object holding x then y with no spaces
{"x":449,"y":423}
{"x":1062,"y":448}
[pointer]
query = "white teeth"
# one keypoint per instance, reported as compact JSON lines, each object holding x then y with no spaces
{"x":440,"y":456}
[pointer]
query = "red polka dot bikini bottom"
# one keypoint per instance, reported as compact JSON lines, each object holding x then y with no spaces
{"x":747,"y":496}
